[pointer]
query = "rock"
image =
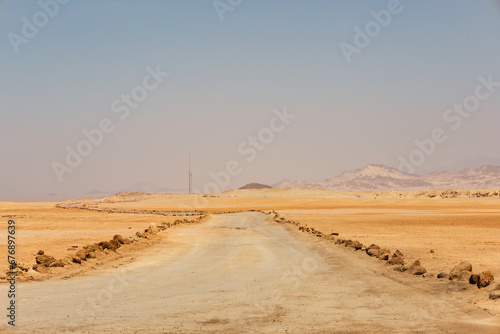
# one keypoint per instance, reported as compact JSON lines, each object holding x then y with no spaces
{"x":82,"y":254}
{"x":385,"y":253}
{"x":416,"y":268}
{"x":495,"y":294}
{"x":153,"y":228}
{"x":77,"y":259}
{"x":474,"y":279}
{"x":385,"y":250}
{"x":92,"y":255}
{"x":23,"y":266}
{"x":104,"y":244}
{"x":40,"y":252}
{"x":44,"y":260}
{"x":384,"y":256}
{"x":398,"y":254}
{"x":485,"y":279}
{"x":358,"y":245}
{"x":461,"y":272}
{"x":114,"y":245}
{"x":373,"y":251}
{"x":119,"y":238}
{"x":126,"y":241}
{"x":443,"y":275}
{"x":40,"y":269}
{"x":400,"y":268}
{"x":57,"y":263}
{"x":86,"y":252}
{"x":396,"y":260}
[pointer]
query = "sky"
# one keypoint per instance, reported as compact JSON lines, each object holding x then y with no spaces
{"x":256,"y":91}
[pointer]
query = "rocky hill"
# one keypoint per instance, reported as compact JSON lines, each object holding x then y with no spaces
{"x":379,"y":177}
{"x":256,"y":186}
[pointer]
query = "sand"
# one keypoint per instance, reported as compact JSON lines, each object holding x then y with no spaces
{"x":243,"y":273}
{"x":42,"y":226}
{"x":440,"y":232}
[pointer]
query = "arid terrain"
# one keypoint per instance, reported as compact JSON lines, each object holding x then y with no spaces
{"x":244,"y":270}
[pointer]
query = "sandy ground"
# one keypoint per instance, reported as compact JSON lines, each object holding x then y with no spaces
{"x":186,"y":274}
{"x":441,"y":235}
{"x":41,"y":226}
{"x":463,"y":229}
{"x":243,"y":273}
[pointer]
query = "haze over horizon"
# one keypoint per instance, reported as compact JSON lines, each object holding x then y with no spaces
{"x":230,"y":79}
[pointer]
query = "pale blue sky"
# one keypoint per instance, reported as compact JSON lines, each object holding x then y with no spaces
{"x":225,"y":79}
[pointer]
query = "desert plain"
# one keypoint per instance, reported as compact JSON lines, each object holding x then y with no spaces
{"x":236,"y":270}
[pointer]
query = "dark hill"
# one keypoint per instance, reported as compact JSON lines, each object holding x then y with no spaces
{"x":256,"y":186}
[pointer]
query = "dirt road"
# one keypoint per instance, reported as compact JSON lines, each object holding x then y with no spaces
{"x":242,"y":273}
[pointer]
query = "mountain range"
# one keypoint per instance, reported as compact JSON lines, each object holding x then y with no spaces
{"x":380,"y":177}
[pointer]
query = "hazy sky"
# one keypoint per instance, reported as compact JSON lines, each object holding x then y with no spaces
{"x":226,"y":77}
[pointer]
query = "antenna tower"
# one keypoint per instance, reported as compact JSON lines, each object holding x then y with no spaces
{"x":190,"y":176}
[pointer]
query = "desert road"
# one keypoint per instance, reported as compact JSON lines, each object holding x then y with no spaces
{"x":243,"y":273}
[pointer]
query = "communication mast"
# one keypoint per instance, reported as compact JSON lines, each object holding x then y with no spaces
{"x":190,"y":176}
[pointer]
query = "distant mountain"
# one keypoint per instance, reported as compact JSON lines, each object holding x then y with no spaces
{"x":379,"y":177}
{"x":485,"y":177}
{"x":472,"y":163}
{"x":256,"y":186}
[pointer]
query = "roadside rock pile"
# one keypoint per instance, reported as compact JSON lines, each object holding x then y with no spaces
{"x":485,"y":279}
{"x":89,"y":252}
{"x":457,"y":194}
{"x":43,"y":261}
{"x":461,"y":272}
{"x":398,"y":260}
{"x":416,"y":268}
{"x":395,"y":260}
{"x":18,"y":269}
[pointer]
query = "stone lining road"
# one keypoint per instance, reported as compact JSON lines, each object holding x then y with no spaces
{"x":243,"y":273}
